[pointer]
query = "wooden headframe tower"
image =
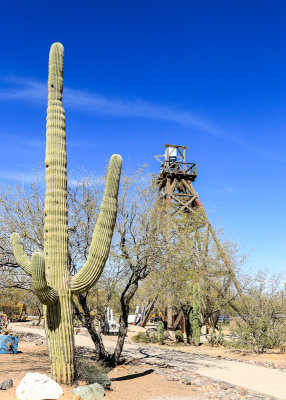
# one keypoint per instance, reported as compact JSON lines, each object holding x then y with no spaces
{"x":175,"y":182}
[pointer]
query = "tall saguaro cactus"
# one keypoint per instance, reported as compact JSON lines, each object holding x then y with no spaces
{"x":50,"y":271}
{"x":195,"y":315}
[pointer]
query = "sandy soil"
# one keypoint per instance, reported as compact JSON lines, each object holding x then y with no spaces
{"x":142,"y":383}
{"x":30,"y":358}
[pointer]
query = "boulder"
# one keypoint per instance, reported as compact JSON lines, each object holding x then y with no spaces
{"x":35,"y":386}
{"x":7,"y":384}
{"x":90,"y":392}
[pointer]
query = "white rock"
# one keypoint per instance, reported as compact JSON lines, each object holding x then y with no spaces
{"x":35,"y":386}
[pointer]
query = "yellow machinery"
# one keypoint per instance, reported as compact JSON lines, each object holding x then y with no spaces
{"x":14,"y":313}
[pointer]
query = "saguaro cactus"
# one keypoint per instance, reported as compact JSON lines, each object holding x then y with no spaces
{"x":195,"y":315}
{"x":50,"y":271}
{"x":160,"y":332}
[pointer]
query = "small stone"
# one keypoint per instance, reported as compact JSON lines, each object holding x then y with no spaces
{"x":91,"y":392}
{"x":224,"y":386}
{"x":7,"y":384}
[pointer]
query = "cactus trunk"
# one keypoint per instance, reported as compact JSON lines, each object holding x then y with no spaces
{"x":160,"y":332}
{"x":59,"y":316}
{"x":50,"y":272}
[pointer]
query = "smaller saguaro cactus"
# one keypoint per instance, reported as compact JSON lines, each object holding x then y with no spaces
{"x":160,"y":332}
{"x":179,"y":336}
{"x":195,"y":314}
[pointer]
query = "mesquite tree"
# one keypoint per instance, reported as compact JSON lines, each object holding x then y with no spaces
{"x":50,"y":271}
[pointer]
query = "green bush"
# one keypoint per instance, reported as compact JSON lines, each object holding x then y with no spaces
{"x":262,"y":313}
{"x":258,"y":335}
{"x":179,"y":336}
{"x":216,"y":339}
{"x":92,"y":371}
{"x":145,"y":337}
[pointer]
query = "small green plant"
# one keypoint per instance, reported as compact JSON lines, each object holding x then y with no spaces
{"x":216,"y":339}
{"x":160,"y":332}
{"x":91,"y":371}
{"x":145,"y":337}
{"x":179,"y":337}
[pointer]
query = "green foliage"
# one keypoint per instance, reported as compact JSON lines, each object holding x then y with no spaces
{"x":90,"y":371}
{"x":258,"y":336}
{"x":261,"y":325}
{"x":179,"y":336}
{"x":160,"y":332}
{"x":145,"y":337}
{"x":216,"y":339}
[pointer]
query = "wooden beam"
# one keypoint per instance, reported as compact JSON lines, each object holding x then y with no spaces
{"x":178,"y":319}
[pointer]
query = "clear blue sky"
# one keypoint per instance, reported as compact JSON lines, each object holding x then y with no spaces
{"x":210,"y":75}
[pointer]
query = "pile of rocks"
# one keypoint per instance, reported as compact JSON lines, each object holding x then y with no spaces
{"x":29,"y":337}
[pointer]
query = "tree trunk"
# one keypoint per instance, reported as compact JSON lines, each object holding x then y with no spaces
{"x":125,"y":299}
{"x":88,"y":323}
{"x":40,"y":316}
{"x":186,"y":310}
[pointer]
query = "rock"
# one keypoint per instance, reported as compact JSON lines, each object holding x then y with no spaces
{"x":35,"y":386}
{"x":6,"y":384}
{"x":104,"y":381}
{"x":224,"y":386}
{"x":91,"y":392}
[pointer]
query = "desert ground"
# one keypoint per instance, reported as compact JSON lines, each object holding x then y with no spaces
{"x":143,"y":378}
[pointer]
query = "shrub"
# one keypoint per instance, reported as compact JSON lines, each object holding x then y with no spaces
{"x":145,"y":337}
{"x":216,"y":339}
{"x":258,"y":335}
{"x":91,"y":371}
{"x":179,"y":336}
{"x":262,"y":311}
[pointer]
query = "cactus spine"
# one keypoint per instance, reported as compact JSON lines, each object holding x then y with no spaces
{"x":160,"y":332}
{"x":195,"y":315}
{"x":50,"y":272}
